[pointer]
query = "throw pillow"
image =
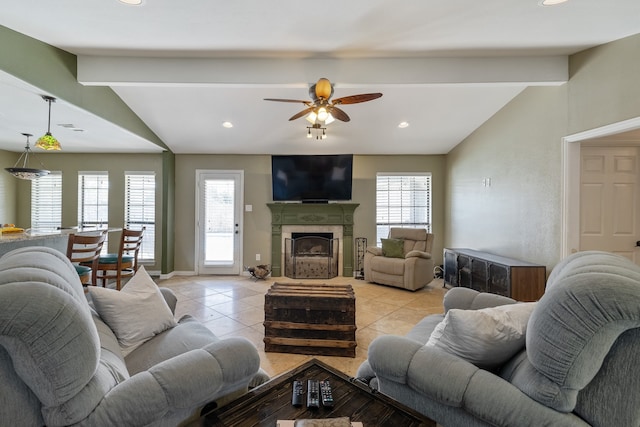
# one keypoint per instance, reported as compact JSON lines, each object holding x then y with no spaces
{"x":487,"y":337}
{"x":136,"y":313}
{"x":393,"y":248}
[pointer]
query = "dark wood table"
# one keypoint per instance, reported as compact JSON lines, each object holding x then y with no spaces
{"x":270,"y":402}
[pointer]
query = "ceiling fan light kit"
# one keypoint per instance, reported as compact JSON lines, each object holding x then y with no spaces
{"x":48,"y":141}
{"x":320,"y":110}
{"x":24,"y":172}
{"x":320,"y":131}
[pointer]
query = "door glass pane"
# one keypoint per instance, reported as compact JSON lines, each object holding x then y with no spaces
{"x":220,"y":223}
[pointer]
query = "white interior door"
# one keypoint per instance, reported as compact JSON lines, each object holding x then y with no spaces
{"x":609,"y":200}
{"x":219,"y":221}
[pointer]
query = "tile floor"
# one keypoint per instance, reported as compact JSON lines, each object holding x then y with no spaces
{"x":234,"y":306}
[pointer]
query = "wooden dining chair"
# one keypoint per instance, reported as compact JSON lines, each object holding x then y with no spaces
{"x":83,"y":252}
{"x":125,"y":262}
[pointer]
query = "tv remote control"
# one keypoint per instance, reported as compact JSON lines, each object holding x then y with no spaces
{"x":313,"y":394}
{"x":298,"y":391}
{"x":326,"y":394}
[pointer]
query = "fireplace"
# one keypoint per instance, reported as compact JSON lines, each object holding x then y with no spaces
{"x":335,"y":218}
{"x":311,"y":244}
{"x":311,"y":255}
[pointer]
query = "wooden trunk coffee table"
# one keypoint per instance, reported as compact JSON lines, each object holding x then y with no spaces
{"x":270,"y":402}
{"x":310,"y":319}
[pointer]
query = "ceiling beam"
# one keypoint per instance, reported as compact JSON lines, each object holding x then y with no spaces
{"x":130,"y":71}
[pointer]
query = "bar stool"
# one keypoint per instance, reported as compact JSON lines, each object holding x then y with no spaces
{"x":125,"y":262}
{"x":83,"y":252}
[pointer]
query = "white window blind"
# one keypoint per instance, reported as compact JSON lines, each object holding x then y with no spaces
{"x":93,"y":201}
{"x":402,"y":200}
{"x":46,"y":202}
{"x":140,"y":209}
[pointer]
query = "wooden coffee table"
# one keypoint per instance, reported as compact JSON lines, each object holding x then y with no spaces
{"x":310,"y":319}
{"x":270,"y":402}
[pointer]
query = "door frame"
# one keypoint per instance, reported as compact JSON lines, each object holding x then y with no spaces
{"x":240,"y":219}
{"x":570,"y":228}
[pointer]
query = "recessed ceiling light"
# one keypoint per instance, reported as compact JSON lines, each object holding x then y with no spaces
{"x":227,"y":125}
{"x":551,"y":2}
{"x":132,"y":2}
{"x":403,"y":125}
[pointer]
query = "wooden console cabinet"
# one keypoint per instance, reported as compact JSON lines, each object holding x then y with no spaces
{"x":485,"y":272}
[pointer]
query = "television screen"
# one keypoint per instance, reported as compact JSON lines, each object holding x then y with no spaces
{"x":311,"y":178}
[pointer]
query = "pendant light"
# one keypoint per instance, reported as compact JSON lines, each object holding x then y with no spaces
{"x":24,"y":172}
{"x":48,"y":141}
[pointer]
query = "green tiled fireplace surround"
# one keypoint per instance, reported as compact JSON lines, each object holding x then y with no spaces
{"x":312,"y":214}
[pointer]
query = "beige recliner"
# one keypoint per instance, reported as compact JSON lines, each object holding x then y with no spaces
{"x":409,"y":267}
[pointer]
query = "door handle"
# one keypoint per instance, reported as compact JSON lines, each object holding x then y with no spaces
{"x":637,"y":243}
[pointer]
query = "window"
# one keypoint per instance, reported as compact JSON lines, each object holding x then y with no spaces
{"x":93,"y":201}
{"x":46,"y":202}
{"x":140,"y":209}
{"x":402,"y":200}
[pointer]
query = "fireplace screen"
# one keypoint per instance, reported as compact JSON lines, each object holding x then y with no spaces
{"x":311,"y":256}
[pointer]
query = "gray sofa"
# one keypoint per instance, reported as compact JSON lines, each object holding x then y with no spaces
{"x":60,"y":364}
{"x":580,"y":367}
{"x":410,"y":269}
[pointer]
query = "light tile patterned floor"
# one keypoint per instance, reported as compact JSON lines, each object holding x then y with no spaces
{"x":234,"y":306}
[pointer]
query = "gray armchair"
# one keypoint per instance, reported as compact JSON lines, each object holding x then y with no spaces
{"x":60,"y":364}
{"x":580,"y":367}
{"x":410,"y":267}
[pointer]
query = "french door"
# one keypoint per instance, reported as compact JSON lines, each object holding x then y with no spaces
{"x":219,"y":221}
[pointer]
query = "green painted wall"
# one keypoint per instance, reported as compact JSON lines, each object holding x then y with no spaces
{"x":116,"y":165}
{"x":8,"y":189}
{"x":168,"y":212}
{"x":257,"y":177}
{"x":519,"y":149}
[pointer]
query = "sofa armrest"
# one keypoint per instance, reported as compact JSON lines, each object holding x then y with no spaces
{"x":436,"y":376}
{"x":374,"y":250}
{"x":390,"y":355}
{"x":500,"y":409}
{"x":469,"y":299}
{"x":170,"y":298}
{"x":427,"y":370}
{"x":179,"y":384}
{"x":418,"y":254}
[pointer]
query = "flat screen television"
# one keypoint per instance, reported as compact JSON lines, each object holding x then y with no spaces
{"x":311,"y":178}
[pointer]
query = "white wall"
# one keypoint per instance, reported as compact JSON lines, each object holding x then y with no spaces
{"x":519,"y":148}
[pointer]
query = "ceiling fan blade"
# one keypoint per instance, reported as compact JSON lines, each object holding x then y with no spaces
{"x":302,"y":113}
{"x":339,"y":114}
{"x":288,"y":100}
{"x":355,"y":99}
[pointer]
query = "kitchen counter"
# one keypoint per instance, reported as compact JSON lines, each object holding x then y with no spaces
{"x":56,"y":239}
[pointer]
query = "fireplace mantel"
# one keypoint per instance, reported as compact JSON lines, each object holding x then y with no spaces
{"x":312,"y":214}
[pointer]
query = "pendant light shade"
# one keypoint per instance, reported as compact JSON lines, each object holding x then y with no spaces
{"x":48,"y":141}
{"x":25,"y":172}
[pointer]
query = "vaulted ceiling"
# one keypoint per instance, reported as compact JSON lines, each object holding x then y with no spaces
{"x":184,"y":68}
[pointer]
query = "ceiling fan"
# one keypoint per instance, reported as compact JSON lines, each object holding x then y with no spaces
{"x":321,"y":108}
